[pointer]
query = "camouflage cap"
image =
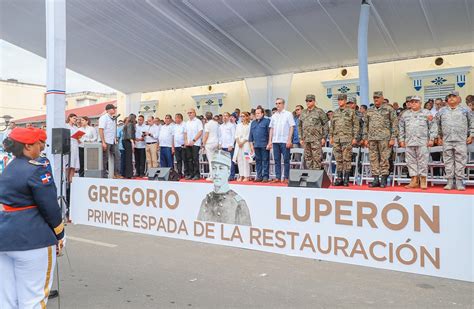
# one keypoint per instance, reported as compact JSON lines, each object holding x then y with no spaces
{"x":453,"y":93}
{"x":408,"y":98}
{"x":378,"y":94}
{"x":222,"y":157}
{"x":342,"y":96}
{"x":415,"y":98}
{"x":351,"y":100}
{"x":310,"y":97}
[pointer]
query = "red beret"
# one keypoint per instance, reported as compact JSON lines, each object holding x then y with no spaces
{"x":24,"y":136}
{"x":42,"y":135}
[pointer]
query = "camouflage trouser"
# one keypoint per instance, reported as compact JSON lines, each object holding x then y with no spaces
{"x":343,"y":153}
{"x":313,"y":153}
{"x":455,"y":159}
{"x":417,"y":160}
{"x":379,"y":153}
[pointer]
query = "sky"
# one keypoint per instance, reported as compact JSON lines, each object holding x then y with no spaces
{"x":27,"y":67}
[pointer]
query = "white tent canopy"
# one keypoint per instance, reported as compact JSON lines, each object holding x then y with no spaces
{"x":148,"y":45}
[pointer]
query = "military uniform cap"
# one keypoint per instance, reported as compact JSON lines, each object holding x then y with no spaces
{"x":222,"y":157}
{"x":310,"y":97}
{"x":24,"y":136}
{"x":415,"y":98}
{"x":352,"y":99}
{"x":342,"y":96}
{"x":408,"y":98}
{"x":41,"y":134}
{"x":453,"y":93}
{"x":378,"y":94}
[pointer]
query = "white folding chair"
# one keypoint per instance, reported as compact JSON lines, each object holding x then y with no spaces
{"x":434,"y":163}
{"x":399,"y":164}
{"x":297,"y":158}
{"x":366,"y":174}
{"x":203,"y":164}
{"x":355,"y":164}
{"x":470,"y":165}
{"x":326,"y":161}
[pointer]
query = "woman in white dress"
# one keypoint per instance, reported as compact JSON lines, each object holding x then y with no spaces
{"x":90,"y":136}
{"x":72,"y":164}
{"x":242,"y":152}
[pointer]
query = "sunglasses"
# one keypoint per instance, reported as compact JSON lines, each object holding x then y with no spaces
{"x":309,"y":100}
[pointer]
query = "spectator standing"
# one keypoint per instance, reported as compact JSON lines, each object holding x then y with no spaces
{"x":313,"y":129}
{"x":210,"y":139}
{"x":120,"y":145}
{"x":343,"y":133}
{"x":282,"y":125}
{"x":72,"y":163}
{"x":128,"y":139}
{"x":259,"y":133}
{"x":242,"y":153}
{"x":192,"y":139}
{"x":167,"y":143}
{"x":296,"y":138}
{"x":178,"y":136}
{"x":140,"y":146}
{"x":90,"y":136}
{"x":417,"y":132}
{"x":107,"y":134}
{"x":438,"y":104}
{"x":455,"y":131}
{"x":151,"y":140}
{"x":227,"y":140}
{"x":11,"y":126}
{"x":380,"y":132}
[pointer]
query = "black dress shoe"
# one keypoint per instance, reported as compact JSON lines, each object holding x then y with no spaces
{"x":53,"y":294}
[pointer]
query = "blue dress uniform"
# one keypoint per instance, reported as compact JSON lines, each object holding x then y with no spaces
{"x":30,"y":228}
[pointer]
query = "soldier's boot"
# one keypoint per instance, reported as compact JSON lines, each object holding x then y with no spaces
{"x":375,"y":183}
{"x":449,"y":185}
{"x":413,"y":183}
{"x":338,"y":181}
{"x":346,"y":179}
{"x":459,"y":185}
{"x":423,"y":183}
{"x":383,"y":181}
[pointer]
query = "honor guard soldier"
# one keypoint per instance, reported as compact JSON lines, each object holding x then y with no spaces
{"x":380,"y":132}
{"x":313,"y":130}
{"x":31,"y":226}
{"x":223,"y":204}
{"x":417,"y":133}
{"x":343,"y":134}
{"x":455,"y":131}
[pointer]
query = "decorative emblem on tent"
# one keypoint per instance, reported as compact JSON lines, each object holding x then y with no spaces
{"x":439,"y":81}
{"x":329,"y":93}
{"x":209,"y":102}
{"x":461,"y":80}
{"x":417,"y":84}
{"x":146,"y":108}
{"x":343,"y":89}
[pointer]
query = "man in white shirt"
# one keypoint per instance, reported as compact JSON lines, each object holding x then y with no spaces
{"x":227,"y":140}
{"x":108,"y":133}
{"x":438,"y":103}
{"x":211,"y":137}
{"x":167,"y":143}
{"x":140,"y":146}
{"x":178,"y":136}
{"x":282,"y":125}
{"x":192,"y":141}
{"x":151,"y":140}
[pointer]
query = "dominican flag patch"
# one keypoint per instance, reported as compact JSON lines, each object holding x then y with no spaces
{"x":46,"y":178}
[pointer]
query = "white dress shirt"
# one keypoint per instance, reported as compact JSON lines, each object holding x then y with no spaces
{"x":154,"y":132}
{"x":108,"y":124}
{"x":166,"y":135}
{"x":212,"y":127}
{"x":138,"y":134}
{"x":227,"y":135}
{"x":178,"y":134}
{"x":90,"y":136}
{"x":281,"y":123}
{"x":192,"y":128}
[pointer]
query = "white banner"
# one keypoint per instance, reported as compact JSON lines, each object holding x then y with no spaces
{"x":430,"y":234}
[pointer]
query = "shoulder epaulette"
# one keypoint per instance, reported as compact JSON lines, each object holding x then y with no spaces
{"x":34,"y":162}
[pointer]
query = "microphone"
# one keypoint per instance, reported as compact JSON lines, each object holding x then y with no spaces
{"x":115,"y":117}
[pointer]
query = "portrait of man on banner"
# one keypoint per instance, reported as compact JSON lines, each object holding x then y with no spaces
{"x":223,"y":204}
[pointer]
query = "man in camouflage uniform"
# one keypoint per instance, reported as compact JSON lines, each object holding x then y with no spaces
{"x":352,"y":103}
{"x":343,"y":134}
{"x":417,"y":133}
{"x":380,"y":132}
{"x":455,"y":131}
{"x":223,"y":204}
{"x":313,"y":130}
